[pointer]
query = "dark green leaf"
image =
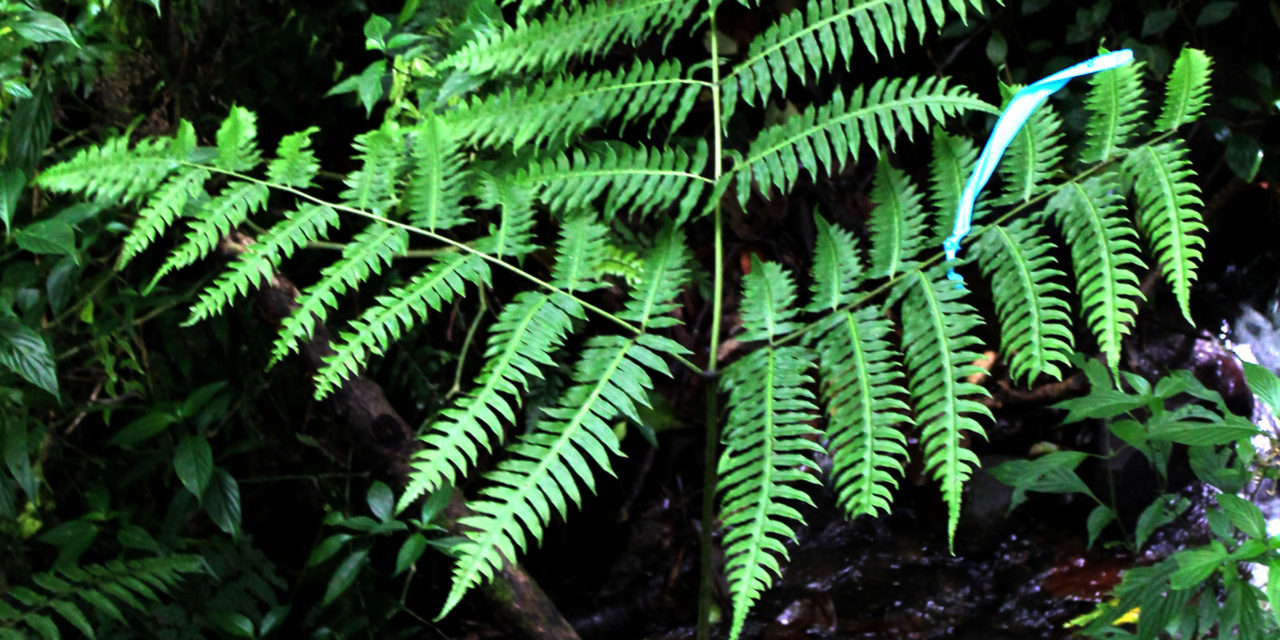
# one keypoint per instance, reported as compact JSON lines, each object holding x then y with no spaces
{"x":435,"y":503}
{"x":222,"y":502}
{"x":61,"y":284}
{"x":409,"y":553}
{"x":12,"y":182}
{"x":1159,"y":513}
{"x":43,"y":625}
{"x":997,"y":48}
{"x":1245,"y":515}
{"x":71,"y":538}
{"x":1156,"y":21}
{"x":381,"y":502}
{"x":1196,"y":565}
{"x":142,"y":428}
{"x":193,"y":462}
{"x":40,"y":26}
{"x":135,"y":537}
{"x":344,"y":575}
{"x":1099,"y":518}
{"x":24,"y":352}
{"x":1215,"y":12}
{"x":47,"y":237}
{"x":328,"y":547}
{"x":272,"y":619}
{"x":30,"y":124}
{"x":236,"y":624}
{"x":74,"y":615}
{"x":1244,"y":156}
{"x":18,"y":457}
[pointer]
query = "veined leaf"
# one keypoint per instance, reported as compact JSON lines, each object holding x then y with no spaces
{"x":1167,"y":198}
{"x":1187,"y":91}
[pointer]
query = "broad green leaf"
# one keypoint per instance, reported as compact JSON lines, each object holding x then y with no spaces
{"x":1099,"y":518}
{"x":236,"y":624}
{"x":1265,"y":384}
{"x":1215,"y":12}
{"x":1160,"y":512}
{"x":193,"y":462}
{"x":1196,"y":565}
{"x":1245,"y":515}
{"x":222,"y":502}
{"x":381,"y":502}
{"x":47,"y":237}
{"x":43,"y":27}
{"x":142,"y":428}
{"x":1193,"y":432}
{"x":12,"y":182}
{"x":25,"y":353}
{"x":344,"y":575}
{"x":409,"y":553}
{"x":328,"y":547}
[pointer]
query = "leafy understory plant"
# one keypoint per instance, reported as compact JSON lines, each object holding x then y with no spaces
{"x":537,"y":142}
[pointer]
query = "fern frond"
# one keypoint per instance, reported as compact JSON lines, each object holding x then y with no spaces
{"x":366,"y":254}
{"x":382,"y":156}
{"x":664,"y":273}
{"x":113,"y":171}
{"x":439,"y":178}
{"x":1033,"y":156}
{"x":307,"y":223}
{"x":1117,"y":108}
{"x":103,"y":587}
{"x":399,"y":310}
{"x":564,"y":107}
{"x":237,"y":141}
{"x":953,"y":160}
{"x":528,"y":332}
{"x":217,"y":218}
{"x":837,"y":267}
{"x":1104,"y":257}
{"x":295,"y":164}
{"x":1034,"y":326}
{"x":576,"y":30}
{"x":1187,"y":92}
{"x":938,"y":344}
{"x":818,"y":35}
{"x":895,"y":223}
{"x":579,"y":254}
{"x":1166,"y":214}
{"x":163,"y":207}
{"x":768,"y":441}
{"x":635,"y":180}
{"x":541,"y":474}
{"x":822,"y":136}
{"x":513,"y":235}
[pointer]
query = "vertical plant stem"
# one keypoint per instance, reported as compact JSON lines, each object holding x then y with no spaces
{"x":707,"y":566}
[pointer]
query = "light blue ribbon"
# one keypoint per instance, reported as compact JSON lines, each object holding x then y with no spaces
{"x":1020,"y":107}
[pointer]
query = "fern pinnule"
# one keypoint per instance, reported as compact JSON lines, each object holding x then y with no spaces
{"x":938,"y":345}
{"x":636,"y":180}
{"x":1116,"y":107}
{"x":512,"y":236}
{"x":549,"y":113}
{"x":768,"y":438}
{"x":1166,"y":214}
{"x":953,"y":160}
{"x":295,"y":164}
{"x":577,"y":30}
{"x":837,"y":267}
{"x":1187,"y":91}
{"x":439,"y":178}
{"x":665,"y":271}
{"x":821,"y":137}
{"x":1104,"y":255}
{"x":396,"y":312}
{"x":580,"y":253}
{"x":1033,"y":156}
{"x":237,"y":141}
{"x":366,"y":254}
{"x":233,"y":205}
{"x":114,"y":171}
{"x":1035,"y":329}
{"x":162,"y":208}
{"x":527,"y":334}
{"x":383,"y":156}
{"x":896,"y":219}
{"x":308,"y":223}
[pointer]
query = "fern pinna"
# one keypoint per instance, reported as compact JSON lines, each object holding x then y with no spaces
{"x":551,"y":136}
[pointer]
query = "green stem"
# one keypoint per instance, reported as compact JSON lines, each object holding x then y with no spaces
{"x":706,"y":566}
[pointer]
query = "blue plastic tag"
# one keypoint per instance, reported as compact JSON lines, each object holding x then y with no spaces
{"x":1021,"y":106}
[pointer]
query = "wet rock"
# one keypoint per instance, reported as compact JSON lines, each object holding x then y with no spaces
{"x":806,"y":616}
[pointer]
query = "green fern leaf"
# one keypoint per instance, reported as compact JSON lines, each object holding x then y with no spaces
{"x":366,"y":254}
{"x":577,"y":30}
{"x":635,"y":180}
{"x":1187,"y":92}
{"x":818,"y":35}
{"x":895,"y":223}
{"x":439,"y":179}
{"x":237,"y":141}
{"x":163,"y":207}
{"x":953,"y":161}
{"x":295,"y":164}
{"x":1104,"y":256}
{"x":1033,"y":156}
{"x":1167,"y":216}
{"x":528,"y":332}
{"x":837,"y":269}
{"x":580,"y":254}
{"x":513,"y":235}
{"x":114,"y":172}
{"x":216,"y":219}
{"x":396,"y":312}
{"x":1117,"y":108}
{"x":768,"y":441}
{"x":382,"y":157}
{"x":938,"y":344}
{"x":561,"y":109}
{"x":306,"y":224}
{"x":821,"y":136}
{"x":665,"y":271}
{"x":1034,"y":325}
